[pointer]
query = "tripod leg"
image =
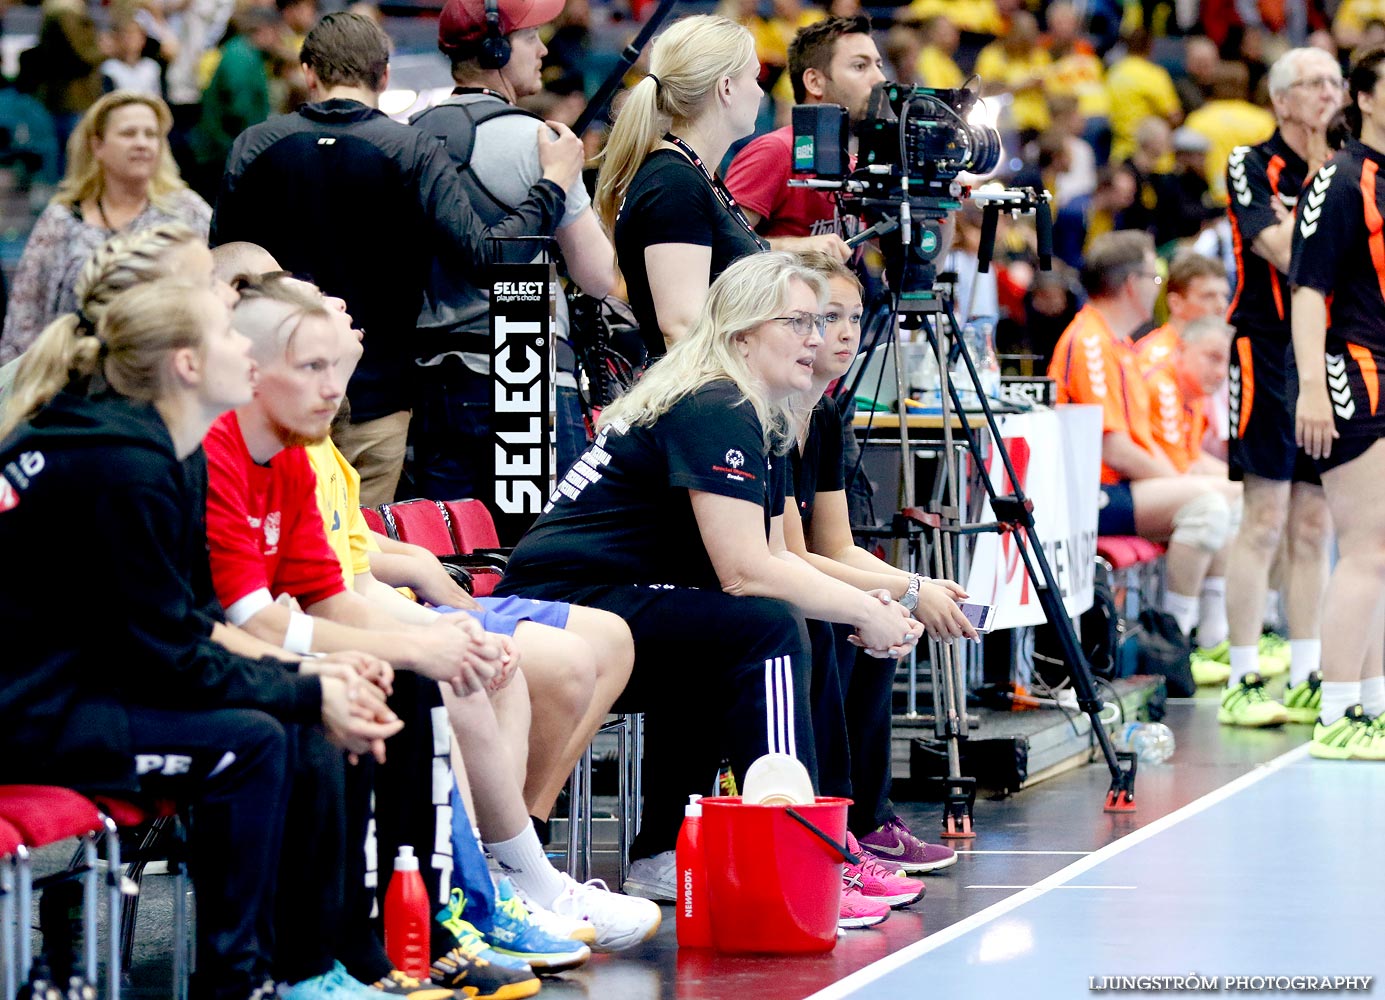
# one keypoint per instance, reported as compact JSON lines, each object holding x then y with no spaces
{"x":950,"y":700}
{"x":1016,"y":510}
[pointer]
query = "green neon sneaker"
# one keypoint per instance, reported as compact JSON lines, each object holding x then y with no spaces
{"x":474,"y":967}
{"x":1274,"y":655}
{"x":1352,"y":737}
{"x":1208,"y":666}
{"x":1246,"y":704}
{"x":1304,"y":701}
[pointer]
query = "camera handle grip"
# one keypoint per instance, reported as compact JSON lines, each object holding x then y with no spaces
{"x":885,"y":226}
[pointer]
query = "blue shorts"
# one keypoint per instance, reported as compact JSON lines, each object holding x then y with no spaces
{"x":503,"y":614}
{"x":1116,"y":514}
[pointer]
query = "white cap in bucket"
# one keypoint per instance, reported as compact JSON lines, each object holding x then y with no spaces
{"x":777,"y":779}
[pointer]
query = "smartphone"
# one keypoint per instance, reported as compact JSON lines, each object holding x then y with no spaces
{"x":980,"y":615}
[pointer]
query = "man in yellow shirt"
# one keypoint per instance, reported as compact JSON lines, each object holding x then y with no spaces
{"x":1229,"y":120}
{"x":936,"y":67}
{"x":1016,"y":65}
{"x":1138,"y":89}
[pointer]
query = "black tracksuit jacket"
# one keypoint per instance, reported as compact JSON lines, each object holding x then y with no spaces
{"x":363,"y":205}
{"x":102,"y":535}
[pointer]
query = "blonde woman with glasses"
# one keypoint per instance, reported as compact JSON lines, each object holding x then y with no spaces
{"x":672,"y":519}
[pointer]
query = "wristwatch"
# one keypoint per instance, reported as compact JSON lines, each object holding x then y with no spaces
{"x":910,"y":600}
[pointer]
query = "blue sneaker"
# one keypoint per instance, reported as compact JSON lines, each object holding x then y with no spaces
{"x":334,"y":985}
{"x":471,"y":943}
{"x":516,"y":935}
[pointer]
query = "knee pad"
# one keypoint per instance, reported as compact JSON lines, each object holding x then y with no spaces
{"x":1203,"y":523}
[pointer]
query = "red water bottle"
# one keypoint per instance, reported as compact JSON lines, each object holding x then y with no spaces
{"x":406,"y":917}
{"x":694,"y":922}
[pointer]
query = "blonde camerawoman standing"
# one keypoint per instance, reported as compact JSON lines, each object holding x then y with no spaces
{"x":676,"y":226}
{"x":1339,"y":254}
{"x":120,"y":178}
{"x":672,"y":519}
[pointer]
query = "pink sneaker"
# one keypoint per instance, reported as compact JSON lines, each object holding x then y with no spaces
{"x":857,"y":910}
{"x":880,"y":882}
{"x":895,"y":846}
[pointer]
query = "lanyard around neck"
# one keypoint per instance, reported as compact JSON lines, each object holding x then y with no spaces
{"x":486,"y":91}
{"x":722,"y":192}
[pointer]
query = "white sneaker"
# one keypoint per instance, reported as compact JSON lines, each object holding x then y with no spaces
{"x":556,"y":924}
{"x":654,"y":878}
{"x":621,"y":921}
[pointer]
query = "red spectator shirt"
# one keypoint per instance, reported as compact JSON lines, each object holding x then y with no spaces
{"x":758,"y":179}
{"x":264,"y":528}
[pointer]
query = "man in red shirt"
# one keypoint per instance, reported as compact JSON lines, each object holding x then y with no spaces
{"x":269,"y":554}
{"x":1143,"y":493}
{"x":274,"y":572}
{"x":834,"y":61}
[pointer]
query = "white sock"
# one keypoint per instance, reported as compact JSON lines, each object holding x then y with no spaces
{"x":1244,"y":660}
{"x":1211,"y":618}
{"x":1305,"y":656}
{"x":1184,"y":610}
{"x":1373,"y":695}
{"x":1337,"y":697}
{"x":523,"y":859}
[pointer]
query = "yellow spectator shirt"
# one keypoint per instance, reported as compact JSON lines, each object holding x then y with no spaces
{"x":995,"y":66}
{"x":1228,"y":124}
{"x":1137,"y":88}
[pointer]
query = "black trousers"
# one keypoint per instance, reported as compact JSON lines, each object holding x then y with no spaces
{"x":716,"y":677}
{"x":230,"y":767}
{"x":852,"y":697}
{"x":868,"y":685}
{"x":308,"y":906}
{"x":404,"y":801}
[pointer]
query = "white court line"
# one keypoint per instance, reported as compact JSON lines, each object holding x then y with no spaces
{"x":878,"y":970}
{"x":1025,"y":852}
{"x":1052,"y":887}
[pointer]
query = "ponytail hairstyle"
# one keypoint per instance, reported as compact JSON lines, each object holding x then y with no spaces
{"x":686,"y":64}
{"x":1365,"y":73}
{"x":143,"y":326}
{"x":68,"y":347}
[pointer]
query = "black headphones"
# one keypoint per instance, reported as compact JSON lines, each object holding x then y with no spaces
{"x":493,"y":52}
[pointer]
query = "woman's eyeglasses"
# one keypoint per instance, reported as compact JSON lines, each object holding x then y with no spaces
{"x":803,"y":323}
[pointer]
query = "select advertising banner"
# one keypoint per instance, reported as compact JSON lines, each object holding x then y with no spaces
{"x":1057,"y":458}
{"x":522,"y":402}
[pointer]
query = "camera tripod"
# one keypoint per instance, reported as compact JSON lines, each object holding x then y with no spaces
{"x":920,"y":305}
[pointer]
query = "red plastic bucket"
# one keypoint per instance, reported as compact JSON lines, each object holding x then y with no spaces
{"x":773,"y":886}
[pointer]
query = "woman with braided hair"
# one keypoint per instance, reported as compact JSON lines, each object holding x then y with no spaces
{"x":168,"y":249}
{"x":120,"y":179}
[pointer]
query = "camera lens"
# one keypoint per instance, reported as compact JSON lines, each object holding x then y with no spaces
{"x":985,"y":149}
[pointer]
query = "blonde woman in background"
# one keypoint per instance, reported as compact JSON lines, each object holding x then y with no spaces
{"x":120,"y":178}
{"x":675,"y":225}
{"x":168,"y":250}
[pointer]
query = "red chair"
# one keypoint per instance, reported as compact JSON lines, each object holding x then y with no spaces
{"x":159,"y":828}
{"x":473,"y":531}
{"x":11,"y":850}
{"x":40,"y":815}
{"x":420,"y":522}
{"x":428,"y":523}
{"x":1135,"y":568}
{"x":373,"y":520}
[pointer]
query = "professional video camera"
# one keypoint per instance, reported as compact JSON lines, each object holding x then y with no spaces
{"x":916,"y":132}
{"x":913,"y":145}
